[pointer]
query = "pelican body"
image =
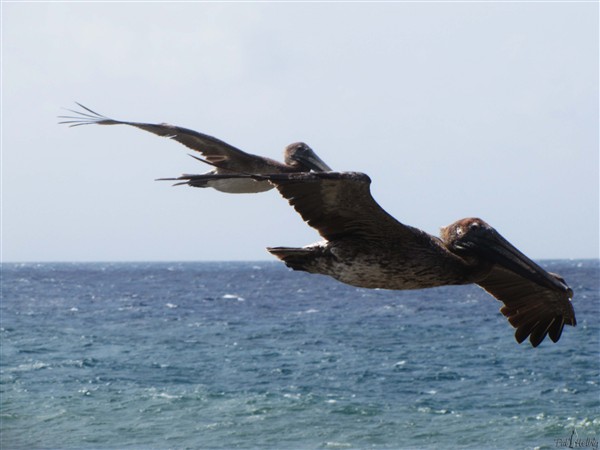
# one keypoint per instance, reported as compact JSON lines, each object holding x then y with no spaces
{"x":225,"y":158}
{"x":364,"y":246}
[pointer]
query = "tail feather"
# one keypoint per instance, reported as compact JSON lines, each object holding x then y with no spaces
{"x":200,"y":181}
{"x":298,"y":258}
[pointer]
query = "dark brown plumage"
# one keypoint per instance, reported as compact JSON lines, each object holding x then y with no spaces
{"x":364,"y":246}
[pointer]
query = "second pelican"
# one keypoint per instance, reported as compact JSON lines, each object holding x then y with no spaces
{"x":225,"y":158}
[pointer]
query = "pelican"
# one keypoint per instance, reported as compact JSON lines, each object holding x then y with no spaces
{"x":364,"y":246}
{"x":225,"y":158}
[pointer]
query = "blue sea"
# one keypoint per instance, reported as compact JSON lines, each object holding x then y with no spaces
{"x":254,"y":356}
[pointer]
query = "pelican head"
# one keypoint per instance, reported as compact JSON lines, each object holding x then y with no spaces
{"x":300,"y":154}
{"x":474,"y":238}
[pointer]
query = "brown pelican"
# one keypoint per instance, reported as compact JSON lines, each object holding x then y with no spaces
{"x":226,"y":159}
{"x":364,"y":246}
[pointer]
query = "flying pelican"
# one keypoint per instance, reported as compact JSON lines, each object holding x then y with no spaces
{"x":366,"y":247}
{"x":226,"y":159}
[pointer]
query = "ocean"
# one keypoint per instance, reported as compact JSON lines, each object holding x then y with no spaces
{"x":250,"y":355}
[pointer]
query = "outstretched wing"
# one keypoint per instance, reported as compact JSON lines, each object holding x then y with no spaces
{"x":214,"y":150}
{"x":534,"y":310}
{"x":339,"y":204}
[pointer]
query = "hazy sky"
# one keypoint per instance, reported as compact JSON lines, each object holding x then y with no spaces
{"x":453,"y":109}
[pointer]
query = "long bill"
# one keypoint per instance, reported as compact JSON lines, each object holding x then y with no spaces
{"x":313,"y":162}
{"x":495,"y":248}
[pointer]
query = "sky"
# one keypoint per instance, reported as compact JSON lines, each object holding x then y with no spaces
{"x":454,"y":109}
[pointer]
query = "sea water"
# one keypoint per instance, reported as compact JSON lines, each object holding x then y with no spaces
{"x":254,"y":356}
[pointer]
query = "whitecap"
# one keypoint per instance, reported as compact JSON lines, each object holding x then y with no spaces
{"x":167,"y":396}
{"x":333,"y":444}
{"x":27,"y":367}
{"x":293,"y":396}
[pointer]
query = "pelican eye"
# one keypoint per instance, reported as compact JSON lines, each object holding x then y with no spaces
{"x":474,"y":225}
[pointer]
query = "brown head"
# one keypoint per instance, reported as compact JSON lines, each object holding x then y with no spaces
{"x":301,"y":157}
{"x":479,"y":243}
{"x":462,"y":230}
